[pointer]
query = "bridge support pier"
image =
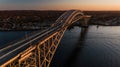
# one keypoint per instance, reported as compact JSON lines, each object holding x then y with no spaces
{"x":85,"y":22}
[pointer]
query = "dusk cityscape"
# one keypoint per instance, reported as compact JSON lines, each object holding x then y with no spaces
{"x":59,"y":33}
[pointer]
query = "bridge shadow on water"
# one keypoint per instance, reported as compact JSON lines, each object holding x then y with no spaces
{"x":70,"y":60}
{"x":78,"y":47}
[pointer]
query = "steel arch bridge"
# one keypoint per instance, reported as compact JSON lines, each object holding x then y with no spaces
{"x":44,"y":44}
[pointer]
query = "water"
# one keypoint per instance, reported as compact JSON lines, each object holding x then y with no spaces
{"x":7,"y":37}
{"x":92,"y":47}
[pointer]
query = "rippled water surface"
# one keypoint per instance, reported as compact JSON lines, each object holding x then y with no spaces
{"x":92,"y":47}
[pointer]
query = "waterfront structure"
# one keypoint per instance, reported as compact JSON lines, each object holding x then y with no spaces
{"x":38,"y":50}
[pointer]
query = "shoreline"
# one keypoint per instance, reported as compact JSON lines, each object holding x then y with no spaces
{"x":40,"y":29}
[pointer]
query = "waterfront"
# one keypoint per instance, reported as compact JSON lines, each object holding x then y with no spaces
{"x":97,"y":47}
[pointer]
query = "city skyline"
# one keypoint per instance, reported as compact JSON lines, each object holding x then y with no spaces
{"x":59,"y":4}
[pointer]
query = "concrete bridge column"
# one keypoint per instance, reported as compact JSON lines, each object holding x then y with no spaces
{"x":85,"y":22}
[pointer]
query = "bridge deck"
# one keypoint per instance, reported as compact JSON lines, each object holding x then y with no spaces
{"x":61,"y":24}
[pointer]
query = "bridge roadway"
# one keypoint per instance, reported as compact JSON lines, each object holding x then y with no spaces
{"x":14,"y":49}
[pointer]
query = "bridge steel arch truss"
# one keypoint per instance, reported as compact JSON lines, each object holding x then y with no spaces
{"x":41,"y":54}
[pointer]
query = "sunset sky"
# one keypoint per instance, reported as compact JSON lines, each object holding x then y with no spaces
{"x":59,"y":4}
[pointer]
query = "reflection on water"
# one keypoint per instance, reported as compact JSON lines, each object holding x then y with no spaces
{"x":96,"y":46}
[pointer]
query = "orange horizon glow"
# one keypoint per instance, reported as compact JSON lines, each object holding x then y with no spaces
{"x":96,"y":5}
{"x":86,"y":7}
